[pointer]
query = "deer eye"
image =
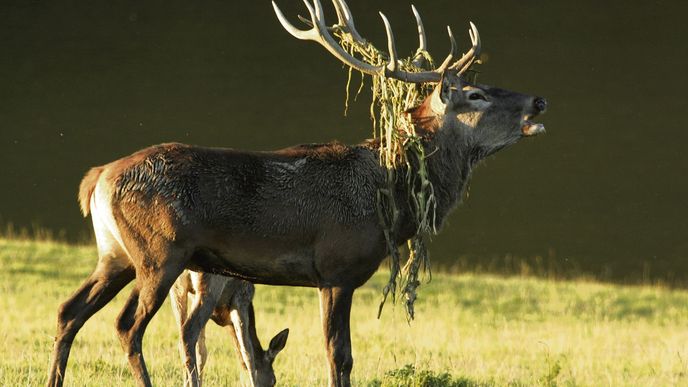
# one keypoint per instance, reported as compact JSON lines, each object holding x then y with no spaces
{"x":476,"y":96}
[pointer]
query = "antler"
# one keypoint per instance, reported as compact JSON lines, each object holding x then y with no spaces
{"x":471,"y":56}
{"x":419,"y":57}
{"x":346,"y":20}
{"x":320,"y":33}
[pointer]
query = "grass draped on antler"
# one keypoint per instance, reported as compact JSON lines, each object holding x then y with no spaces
{"x":399,"y":146}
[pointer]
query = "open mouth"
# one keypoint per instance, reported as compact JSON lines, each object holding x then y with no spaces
{"x":529,"y":128}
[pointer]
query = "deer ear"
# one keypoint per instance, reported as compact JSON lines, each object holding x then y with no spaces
{"x":277,"y":343}
{"x":451,"y":89}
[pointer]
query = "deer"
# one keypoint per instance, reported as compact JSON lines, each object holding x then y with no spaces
{"x":228,"y":301}
{"x":300,"y":216}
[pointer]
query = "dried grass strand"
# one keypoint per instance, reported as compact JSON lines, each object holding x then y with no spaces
{"x":400,"y":146}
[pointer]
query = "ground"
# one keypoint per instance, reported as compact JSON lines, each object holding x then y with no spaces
{"x":470,"y":330}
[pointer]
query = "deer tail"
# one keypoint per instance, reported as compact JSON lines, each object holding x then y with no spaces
{"x":88,"y":184}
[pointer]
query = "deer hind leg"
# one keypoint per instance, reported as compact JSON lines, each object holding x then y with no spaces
{"x":109,"y":277}
{"x":153,"y":282}
{"x":335,"y":310}
{"x":207,"y":290}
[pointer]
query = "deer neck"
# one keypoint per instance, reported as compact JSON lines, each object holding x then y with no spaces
{"x":449,"y":163}
{"x":450,"y":157}
{"x":449,"y":160}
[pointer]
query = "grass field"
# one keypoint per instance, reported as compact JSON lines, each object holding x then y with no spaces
{"x":469,"y":331}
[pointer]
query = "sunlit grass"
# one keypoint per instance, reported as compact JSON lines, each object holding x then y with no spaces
{"x":481,"y":330}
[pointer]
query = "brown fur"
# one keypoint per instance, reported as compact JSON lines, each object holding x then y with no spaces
{"x":424,"y":120}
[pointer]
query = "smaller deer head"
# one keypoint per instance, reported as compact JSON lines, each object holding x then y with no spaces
{"x":264,"y":372}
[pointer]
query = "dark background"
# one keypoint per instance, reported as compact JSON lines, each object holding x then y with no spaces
{"x":604,"y":191}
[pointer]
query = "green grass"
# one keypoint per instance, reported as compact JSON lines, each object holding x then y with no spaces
{"x":469,"y":331}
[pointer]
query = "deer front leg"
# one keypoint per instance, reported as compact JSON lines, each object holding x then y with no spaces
{"x":238,"y":316}
{"x":201,"y":354}
{"x":179,"y":295}
{"x":335,"y":310}
{"x":207,"y":289}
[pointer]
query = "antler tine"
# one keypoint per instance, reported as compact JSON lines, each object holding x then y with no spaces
{"x":475,"y":39}
{"x":346,"y":20}
{"x":452,"y":53}
{"x":295,"y":32}
{"x":310,"y":23}
{"x":419,"y":59}
{"x":422,"y":42}
{"x":319,"y":13}
{"x":392,"y":65}
{"x":467,"y":59}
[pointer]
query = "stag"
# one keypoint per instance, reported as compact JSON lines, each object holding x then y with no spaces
{"x":300,"y":216}
{"x":229,"y":302}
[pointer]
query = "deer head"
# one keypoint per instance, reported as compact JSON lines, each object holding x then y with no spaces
{"x":486,"y":118}
{"x":264,"y":373}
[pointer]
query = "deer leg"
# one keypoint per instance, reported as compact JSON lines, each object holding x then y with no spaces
{"x":242,"y":319}
{"x":152,"y":286}
{"x":239,"y":315}
{"x":179,"y":300}
{"x":232,"y":333}
{"x":98,"y":289}
{"x":335,"y":309}
{"x":201,"y":353}
{"x":208,"y":289}
{"x":223,"y":319}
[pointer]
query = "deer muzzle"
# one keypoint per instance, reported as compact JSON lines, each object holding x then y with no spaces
{"x":529,"y":128}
